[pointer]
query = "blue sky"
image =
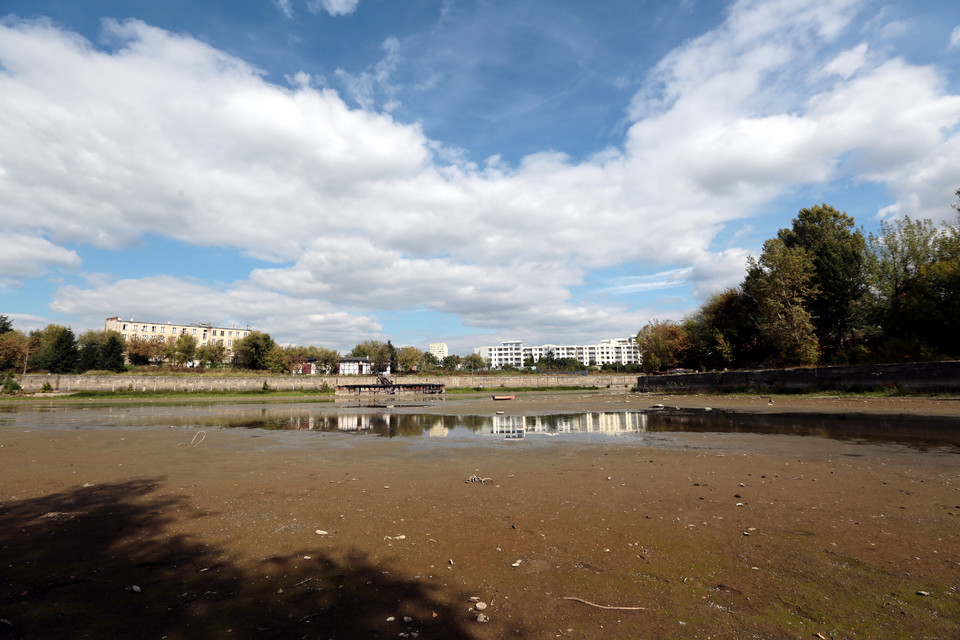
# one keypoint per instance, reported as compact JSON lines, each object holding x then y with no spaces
{"x":332,"y":171}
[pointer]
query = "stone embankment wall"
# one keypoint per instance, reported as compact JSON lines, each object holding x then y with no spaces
{"x":920,"y":376}
{"x":33,"y":383}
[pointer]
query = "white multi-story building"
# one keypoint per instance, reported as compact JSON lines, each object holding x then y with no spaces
{"x":512,"y":353}
{"x":439,"y":350}
{"x":204,"y":333}
{"x":508,"y":354}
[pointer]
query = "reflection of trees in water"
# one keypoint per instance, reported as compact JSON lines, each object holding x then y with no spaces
{"x":916,"y":431}
{"x":71,"y":560}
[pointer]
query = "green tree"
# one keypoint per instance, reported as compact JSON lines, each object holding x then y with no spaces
{"x":143,"y":351}
{"x":428,"y":362}
{"x":295,"y":356}
{"x":212,"y":355}
{"x":895,"y":257}
{"x":450,"y":362}
{"x":408,"y":359}
{"x":915,"y":285}
{"x":380,"y":353}
{"x":89,"y":345}
{"x":58,"y":351}
{"x":662,"y":344}
{"x":328,"y":359}
{"x":837,"y":253}
{"x":252,"y":351}
{"x":10,"y":385}
{"x":780,"y":283}
{"x":275,"y":361}
{"x":13,"y":350}
{"x":6,"y":325}
{"x":474,"y":362}
{"x":723,"y":332}
{"x":184,"y":349}
{"x":111,"y":352}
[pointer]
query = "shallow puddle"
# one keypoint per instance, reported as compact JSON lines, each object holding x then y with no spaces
{"x":918,"y":432}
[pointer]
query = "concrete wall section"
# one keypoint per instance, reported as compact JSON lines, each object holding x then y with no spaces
{"x":33,"y":383}
{"x":921,"y":376}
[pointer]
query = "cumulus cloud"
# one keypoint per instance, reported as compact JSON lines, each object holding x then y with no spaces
{"x":955,"y":38}
{"x":25,"y":256}
{"x":360,"y":213}
{"x":287,"y":319}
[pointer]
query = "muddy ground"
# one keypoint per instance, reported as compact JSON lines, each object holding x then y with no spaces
{"x":162,"y":533}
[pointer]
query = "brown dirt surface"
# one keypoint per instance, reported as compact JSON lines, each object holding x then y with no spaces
{"x":159,"y":533}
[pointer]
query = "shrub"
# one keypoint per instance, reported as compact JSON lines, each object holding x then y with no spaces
{"x":10,"y":385}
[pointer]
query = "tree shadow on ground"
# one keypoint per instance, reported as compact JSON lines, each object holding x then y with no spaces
{"x":102,"y":562}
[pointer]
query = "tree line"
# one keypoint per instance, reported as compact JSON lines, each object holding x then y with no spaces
{"x":56,"y":349}
{"x":824,"y":292}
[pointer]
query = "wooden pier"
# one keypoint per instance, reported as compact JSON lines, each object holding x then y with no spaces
{"x":384,"y":387}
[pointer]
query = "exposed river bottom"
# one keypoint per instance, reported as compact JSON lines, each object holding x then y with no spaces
{"x":183,"y":529}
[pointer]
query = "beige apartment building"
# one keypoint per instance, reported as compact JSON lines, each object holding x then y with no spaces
{"x":204,"y":333}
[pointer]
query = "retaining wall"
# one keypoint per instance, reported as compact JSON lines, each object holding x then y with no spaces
{"x":920,"y":376}
{"x":33,"y":383}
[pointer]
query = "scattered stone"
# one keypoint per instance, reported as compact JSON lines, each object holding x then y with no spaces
{"x":474,"y":599}
{"x":391,"y":619}
{"x":135,"y":589}
{"x":923,"y":593}
{"x":517,"y":563}
{"x":407,"y":619}
{"x":481,"y":617}
{"x":480,"y":606}
{"x":321,"y":532}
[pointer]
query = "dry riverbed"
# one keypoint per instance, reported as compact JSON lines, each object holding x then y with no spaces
{"x":166,"y":532}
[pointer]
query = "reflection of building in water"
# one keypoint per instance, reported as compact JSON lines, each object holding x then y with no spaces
{"x":508,"y":426}
{"x":597,"y":422}
{"x":439,"y":430}
{"x":340,"y":422}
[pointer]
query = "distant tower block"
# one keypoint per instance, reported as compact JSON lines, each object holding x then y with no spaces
{"x":438,"y":350}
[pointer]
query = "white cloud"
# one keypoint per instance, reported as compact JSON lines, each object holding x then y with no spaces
{"x":333,"y":7}
{"x":167,"y":135}
{"x":955,"y":38}
{"x":848,"y":63}
{"x":365,"y":87}
{"x":25,"y":256}
{"x":287,"y":319}
{"x":284,"y":7}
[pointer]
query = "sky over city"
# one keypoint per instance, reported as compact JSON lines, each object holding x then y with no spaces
{"x":333,"y":171}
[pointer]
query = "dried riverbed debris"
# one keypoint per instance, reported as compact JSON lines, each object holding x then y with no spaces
{"x":478,"y":609}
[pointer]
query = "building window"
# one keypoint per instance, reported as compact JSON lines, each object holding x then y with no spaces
{"x":194,"y":332}
{"x":163,"y":329}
